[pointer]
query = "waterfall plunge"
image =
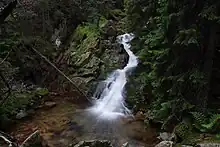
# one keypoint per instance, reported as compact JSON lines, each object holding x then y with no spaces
{"x":110,"y":102}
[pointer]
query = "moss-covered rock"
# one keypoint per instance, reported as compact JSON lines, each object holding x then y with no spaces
{"x":94,"y":53}
{"x":41,"y":91}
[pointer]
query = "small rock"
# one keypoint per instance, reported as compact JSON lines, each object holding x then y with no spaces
{"x":165,"y":136}
{"x":54,"y":94}
{"x":186,"y":146}
{"x":58,"y":42}
{"x":94,"y":143}
{"x":50,"y":104}
{"x":165,"y":144}
{"x":34,"y":140}
{"x":21,"y":114}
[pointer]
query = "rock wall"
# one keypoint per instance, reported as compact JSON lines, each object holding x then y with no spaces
{"x":94,"y":53}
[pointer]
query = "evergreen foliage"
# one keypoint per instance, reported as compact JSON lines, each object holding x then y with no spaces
{"x":173,"y":42}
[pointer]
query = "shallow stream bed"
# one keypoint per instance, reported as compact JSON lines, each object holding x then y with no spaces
{"x":68,"y":123}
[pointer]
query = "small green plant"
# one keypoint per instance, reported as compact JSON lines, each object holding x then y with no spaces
{"x":20,"y":101}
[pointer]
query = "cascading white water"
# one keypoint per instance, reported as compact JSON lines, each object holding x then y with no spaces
{"x":109,"y":103}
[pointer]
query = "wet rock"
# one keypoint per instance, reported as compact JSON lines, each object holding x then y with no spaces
{"x":22,"y":114}
{"x":34,"y":140}
{"x":94,"y":143}
{"x":165,"y":136}
{"x":49,"y":104}
{"x":165,"y":144}
{"x":208,"y":145}
{"x":121,"y":49}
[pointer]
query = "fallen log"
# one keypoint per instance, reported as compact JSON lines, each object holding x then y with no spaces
{"x":59,"y":71}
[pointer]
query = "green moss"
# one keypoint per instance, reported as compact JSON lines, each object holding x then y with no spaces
{"x":102,"y":21}
{"x":41,"y":91}
{"x":183,"y":130}
{"x":85,"y":31}
{"x":16,"y":102}
{"x":85,"y":43}
{"x":20,"y":101}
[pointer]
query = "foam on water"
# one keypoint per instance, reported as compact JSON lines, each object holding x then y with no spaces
{"x":109,"y":99}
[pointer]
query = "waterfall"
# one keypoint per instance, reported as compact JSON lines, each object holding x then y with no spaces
{"x":109,"y":99}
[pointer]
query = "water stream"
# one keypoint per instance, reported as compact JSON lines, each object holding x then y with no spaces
{"x":110,"y":99}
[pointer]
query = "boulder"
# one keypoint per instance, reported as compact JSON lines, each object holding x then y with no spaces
{"x":50,"y":104}
{"x":21,"y":114}
{"x":165,"y":136}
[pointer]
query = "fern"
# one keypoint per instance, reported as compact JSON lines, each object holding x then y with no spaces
{"x":214,"y":123}
{"x":199,"y":117}
{"x":203,"y":124}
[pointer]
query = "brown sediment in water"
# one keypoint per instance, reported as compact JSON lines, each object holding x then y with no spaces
{"x":68,"y":123}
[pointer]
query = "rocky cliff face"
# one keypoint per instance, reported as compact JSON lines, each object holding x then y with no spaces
{"x":94,"y":53}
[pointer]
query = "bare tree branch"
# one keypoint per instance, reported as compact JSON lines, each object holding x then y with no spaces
{"x":6,"y":57}
{"x":8,"y":139}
